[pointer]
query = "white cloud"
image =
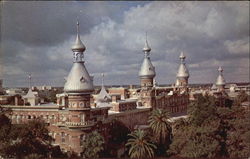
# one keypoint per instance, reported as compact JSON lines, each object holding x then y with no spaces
{"x":210,"y":33}
{"x":238,"y":46}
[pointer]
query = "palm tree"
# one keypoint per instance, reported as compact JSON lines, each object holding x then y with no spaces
{"x":159,"y":123}
{"x":140,"y":146}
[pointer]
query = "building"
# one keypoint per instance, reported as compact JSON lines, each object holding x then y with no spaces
{"x":79,"y":111}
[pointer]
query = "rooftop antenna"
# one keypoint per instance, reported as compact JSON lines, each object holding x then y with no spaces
{"x":29,"y":80}
{"x":102,"y":79}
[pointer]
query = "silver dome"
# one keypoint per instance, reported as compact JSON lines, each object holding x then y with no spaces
{"x":147,"y":69}
{"x":182,"y":71}
{"x":220,"y":79}
{"x":78,"y":46}
{"x":78,"y":79}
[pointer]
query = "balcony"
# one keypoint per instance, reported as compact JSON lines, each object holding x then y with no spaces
{"x":76,"y":124}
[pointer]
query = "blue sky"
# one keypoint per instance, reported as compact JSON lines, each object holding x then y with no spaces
{"x":37,"y":37}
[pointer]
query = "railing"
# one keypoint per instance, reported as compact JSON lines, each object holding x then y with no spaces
{"x":75,"y":124}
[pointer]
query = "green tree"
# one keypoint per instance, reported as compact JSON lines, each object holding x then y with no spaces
{"x":5,"y":130}
{"x":93,"y":145}
{"x":161,"y":129}
{"x":212,"y":131}
{"x":237,"y":142}
{"x":118,"y":136}
{"x":202,"y":110}
{"x":139,"y":145}
{"x":29,"y":138}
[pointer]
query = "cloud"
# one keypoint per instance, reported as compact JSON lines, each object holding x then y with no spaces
{"x":210,"y":34}
{"x":237,"y":46}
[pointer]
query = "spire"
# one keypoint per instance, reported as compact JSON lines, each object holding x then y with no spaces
{"x":78,"y":80}
{"x":182,"y":71}
{"x":147,"y":68}
{"x":102,"y":79}
{"x":220,"y":79}
{"x":78,"y":46}
{"x":146,"y":49}
{"x":182,"y":57}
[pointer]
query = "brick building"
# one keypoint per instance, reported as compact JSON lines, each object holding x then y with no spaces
{"x":79,"y":111}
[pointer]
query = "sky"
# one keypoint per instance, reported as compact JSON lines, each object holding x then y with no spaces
{"x":36,"y":38}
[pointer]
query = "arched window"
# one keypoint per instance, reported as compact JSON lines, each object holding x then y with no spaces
{"x":63,"y":137}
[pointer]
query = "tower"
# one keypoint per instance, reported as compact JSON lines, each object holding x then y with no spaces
{"x":79,"y":84}
{"x":147,"y":74}
{"x":220,"y":82}
{"x":147,"y":71}
{"x":183,"y":73}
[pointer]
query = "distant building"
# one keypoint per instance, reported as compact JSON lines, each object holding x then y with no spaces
{"x":14,"y":91}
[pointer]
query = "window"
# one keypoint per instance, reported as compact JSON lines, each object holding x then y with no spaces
{"x":29,"y":117}
{"x":63,"y":137}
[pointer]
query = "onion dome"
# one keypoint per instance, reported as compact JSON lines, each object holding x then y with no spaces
{"x":78,"y":80}
{"x":220,"y":79}
{"x":78,"y":46}
{"x":103,"y":96}
{"x":146,"y":47}
{"x":147,"y":69}
{"x":182,"y":71}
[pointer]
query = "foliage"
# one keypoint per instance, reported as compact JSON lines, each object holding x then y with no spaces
{"x":212,"y":131}
{"x":140,"y":145}
{"x":161,"y":129}
{"x":118,"y":136}
{"x":158,"y":122}
{"x":242,"y":97}
{"x":24,"y":141}
{"x":202,"y":110}
{"x":93,"y":145}
{"x":31,"y":138}
{"x":238,"y":138}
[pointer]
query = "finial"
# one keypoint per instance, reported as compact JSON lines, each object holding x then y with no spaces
{"x":29,"y":75}
{"x":77,"y":26}
{"x":78,"y":46}
{"x":146,"y":48}
{"x":220,"y":69}
{"x":182,"y":57}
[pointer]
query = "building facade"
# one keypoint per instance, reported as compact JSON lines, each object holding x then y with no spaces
{"x":79,"y":111}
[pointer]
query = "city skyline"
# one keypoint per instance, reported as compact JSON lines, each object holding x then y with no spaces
{"x":211,"y":34}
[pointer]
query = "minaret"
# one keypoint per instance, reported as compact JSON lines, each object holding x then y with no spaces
{"x":147,"y":71}
{"x":147,"y":75}
{"x":182,"y":74}
{"x":220,"y":82}
{"x":79,"y":84}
